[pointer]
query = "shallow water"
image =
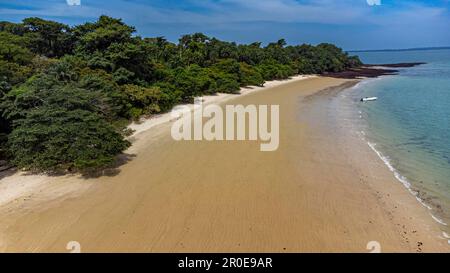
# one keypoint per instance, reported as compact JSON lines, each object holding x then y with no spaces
{"x":409,"y":125}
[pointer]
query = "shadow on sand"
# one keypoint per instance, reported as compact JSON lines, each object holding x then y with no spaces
{"x":110,"y":171}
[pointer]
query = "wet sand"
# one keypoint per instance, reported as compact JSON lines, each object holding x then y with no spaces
{"x":321,"y":191}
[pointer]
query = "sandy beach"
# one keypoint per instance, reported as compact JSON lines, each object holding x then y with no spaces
{"x":323,"y":190}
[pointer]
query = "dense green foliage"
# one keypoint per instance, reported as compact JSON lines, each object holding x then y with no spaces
{"x":67,"y":92}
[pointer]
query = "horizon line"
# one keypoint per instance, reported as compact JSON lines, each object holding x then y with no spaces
{"x":401,"y":49}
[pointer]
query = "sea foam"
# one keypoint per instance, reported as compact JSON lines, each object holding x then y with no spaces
{"x":404,"y":181}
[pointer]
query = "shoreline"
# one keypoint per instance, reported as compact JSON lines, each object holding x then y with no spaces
{"x":407,"y":185}
{"x":19,"y":184}
{"x":407,"y":182}
{"x":218,"y":199}
{"x":368,"y":71}
{"x":145,"y":124}
{"x":398,"y":200}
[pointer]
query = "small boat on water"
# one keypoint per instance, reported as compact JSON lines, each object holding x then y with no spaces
{"x":369,"y":99}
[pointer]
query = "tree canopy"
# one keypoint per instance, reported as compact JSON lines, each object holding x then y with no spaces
{"x":67,"y":92}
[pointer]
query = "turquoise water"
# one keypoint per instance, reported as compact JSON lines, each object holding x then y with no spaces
{"x":409,"y":125}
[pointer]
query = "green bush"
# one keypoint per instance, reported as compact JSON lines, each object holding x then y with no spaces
{"x":144,"y":100}
{"x":193,"y":81}
{"x":225,"y":83}
{"x":67,"y":93}
{"x":249,"y":76}
{"x":56,"y":139}
{"x":170,"y":96}
{"x":271,"y":70}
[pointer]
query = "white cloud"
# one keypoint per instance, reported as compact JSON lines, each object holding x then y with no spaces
{"x":232,"y":11}
{"x":73,"y":2}
{"x":374,"y":2}
{"x":349,"y":21}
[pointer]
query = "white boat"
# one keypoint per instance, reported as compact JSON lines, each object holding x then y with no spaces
{"x":369,"y":99}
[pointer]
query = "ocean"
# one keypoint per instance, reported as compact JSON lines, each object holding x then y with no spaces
{"x":409,"y":125}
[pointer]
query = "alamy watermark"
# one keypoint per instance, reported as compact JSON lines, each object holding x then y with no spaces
{"x":231,"y":123}
{"x":374,"y":2}
{"x":73,"y":2}
{"x":372,"y":246}
{"x":73,"y":247}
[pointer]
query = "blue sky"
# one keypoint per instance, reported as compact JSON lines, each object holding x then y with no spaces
{"x":351,"y":24}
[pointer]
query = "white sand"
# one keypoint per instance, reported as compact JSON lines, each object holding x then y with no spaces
{"x":21,"y":186}
{"x":147,"y":123}
{"x":321,"y":192}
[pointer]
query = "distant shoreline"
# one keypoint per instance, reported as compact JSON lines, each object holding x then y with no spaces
{"x":371,"y":71}
{"x":366,"y":71}
{"x":396,"y":65}
{"x":397,"y":50}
